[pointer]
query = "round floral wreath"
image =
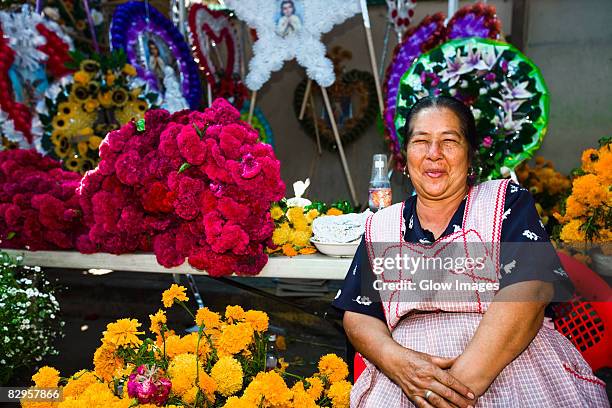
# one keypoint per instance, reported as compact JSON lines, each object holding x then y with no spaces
{"x":259,"y":122}
{"x":133,"y":19}
{"x":27,"y":41}
{"x":475,"y":20}
{"x":79,"y":110}
{"x":504,"y":89}
{"x":353,"y":127}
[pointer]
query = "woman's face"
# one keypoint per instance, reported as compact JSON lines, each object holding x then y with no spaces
{"x":437,"y":154}
{"x":153,"y":50}
{"x":287,"y":9}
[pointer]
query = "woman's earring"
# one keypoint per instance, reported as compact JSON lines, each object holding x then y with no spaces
{"x":406,"y":172}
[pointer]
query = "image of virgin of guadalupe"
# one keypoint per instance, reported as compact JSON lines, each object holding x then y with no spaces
{"x":156,"y":63}
{"x":289,"y":22}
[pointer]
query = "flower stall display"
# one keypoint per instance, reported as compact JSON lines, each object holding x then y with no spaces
{"x":474,"y":20}
{"x":209,"y":31}
{"x":223,"y":364}
{"x":152,"y":44}
{"x":504,"y":89}
{"x":33,"y":50}
{"x":39,"y":207}
{"x":548,"y":187}
{"x":29,"y":317}
{"x":195,"y":185}
{"x":587,"y":216}
{"x":79,"y":110}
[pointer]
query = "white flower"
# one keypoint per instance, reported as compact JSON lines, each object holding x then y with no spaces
{"x":97,"y":17}
{"x":477,"y":113}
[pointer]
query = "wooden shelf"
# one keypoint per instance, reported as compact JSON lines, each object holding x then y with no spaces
{"x":315,"y":266}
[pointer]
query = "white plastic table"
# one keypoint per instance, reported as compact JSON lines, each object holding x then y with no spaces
{"x":316,"y":266}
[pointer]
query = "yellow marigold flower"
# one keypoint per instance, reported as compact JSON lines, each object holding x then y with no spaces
{"x":574,"y":209}
{"x":174,"y":345}
{"x":258,"y":320}
{"x":190,"y":396}
{"x":122,"y":333}
{"x":157,"y":321}
{"x":301,"y":398}
{"x":208,"y":386}
{"x":308,"y":250}
{"x":234,"y":313}
{"x":110,"y":79}
{"x":301,"y":224}
{"x":81,"y":77}
{"x":288,"y":250}
{"x":334,"y":211}
{"x":301,"y":238}
{"x":315,"y":387}
{"x":235,"y":402}
{"x":46,"y":377}
{"x":78,"y":383}
{"x":182,"y":373}
{"x":235,"y":338}
{"x":227,"y":373}
{"x":333,"y":367}
{"x":295,"y":213}
{"x":272,"y":387}
{"x":340,"y":392}
{"x":571,"y":232}
{"x":129,"y":70}
{"x":311,"y":215}
{"x":590,"y":190}
{"x":588,"y":159}
{"x":106,"y":362}
{"x":603,"y":166}
{"x":281,"y":234}
{"x":100,"y":395}
{"x":175,"y":292}
{"x":207,"y":318}
{"x":276,"y":212}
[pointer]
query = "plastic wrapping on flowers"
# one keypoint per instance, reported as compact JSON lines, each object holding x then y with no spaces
{"x":39,"y":207}
{"x":192,"y":185}
{"x":223,"y":364}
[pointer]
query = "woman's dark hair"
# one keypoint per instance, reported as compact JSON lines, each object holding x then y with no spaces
{"x":463,"y":113}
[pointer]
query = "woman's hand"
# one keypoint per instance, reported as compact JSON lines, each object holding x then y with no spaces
{"x":425,"y":379}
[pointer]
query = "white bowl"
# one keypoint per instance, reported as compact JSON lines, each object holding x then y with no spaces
{"x":338,"y":249}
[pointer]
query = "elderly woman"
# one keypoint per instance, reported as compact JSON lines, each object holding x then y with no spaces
{"x":481,"y":341}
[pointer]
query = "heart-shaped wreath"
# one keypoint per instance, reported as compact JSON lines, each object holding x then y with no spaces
{"x":350,"y":87}
{"x":223,"y":74}
{"x":505,"y":90}
{"x":475,"y":20}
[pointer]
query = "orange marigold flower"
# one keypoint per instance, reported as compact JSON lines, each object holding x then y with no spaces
{"x":258,"y":320}
{"x":46,"y":377}
{"x":157,"y":321}
{"x":234,"y":313}
{"x":288,"y":250}
{"x":208,"y":319}
{"x":315,"y":387}
{"x":122,"y":333}
{"x":175,"y":292}
{"x":589,"y":158}
{"x":106,"y":362}
{"x":339,"y":393}
{"x":333,"y":367}
{"x":590,"y":190}
{"x":235,"y":338}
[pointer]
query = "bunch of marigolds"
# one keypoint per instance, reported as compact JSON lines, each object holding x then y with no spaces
{"x":587,"y":216}
{"x":223,"y":364}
